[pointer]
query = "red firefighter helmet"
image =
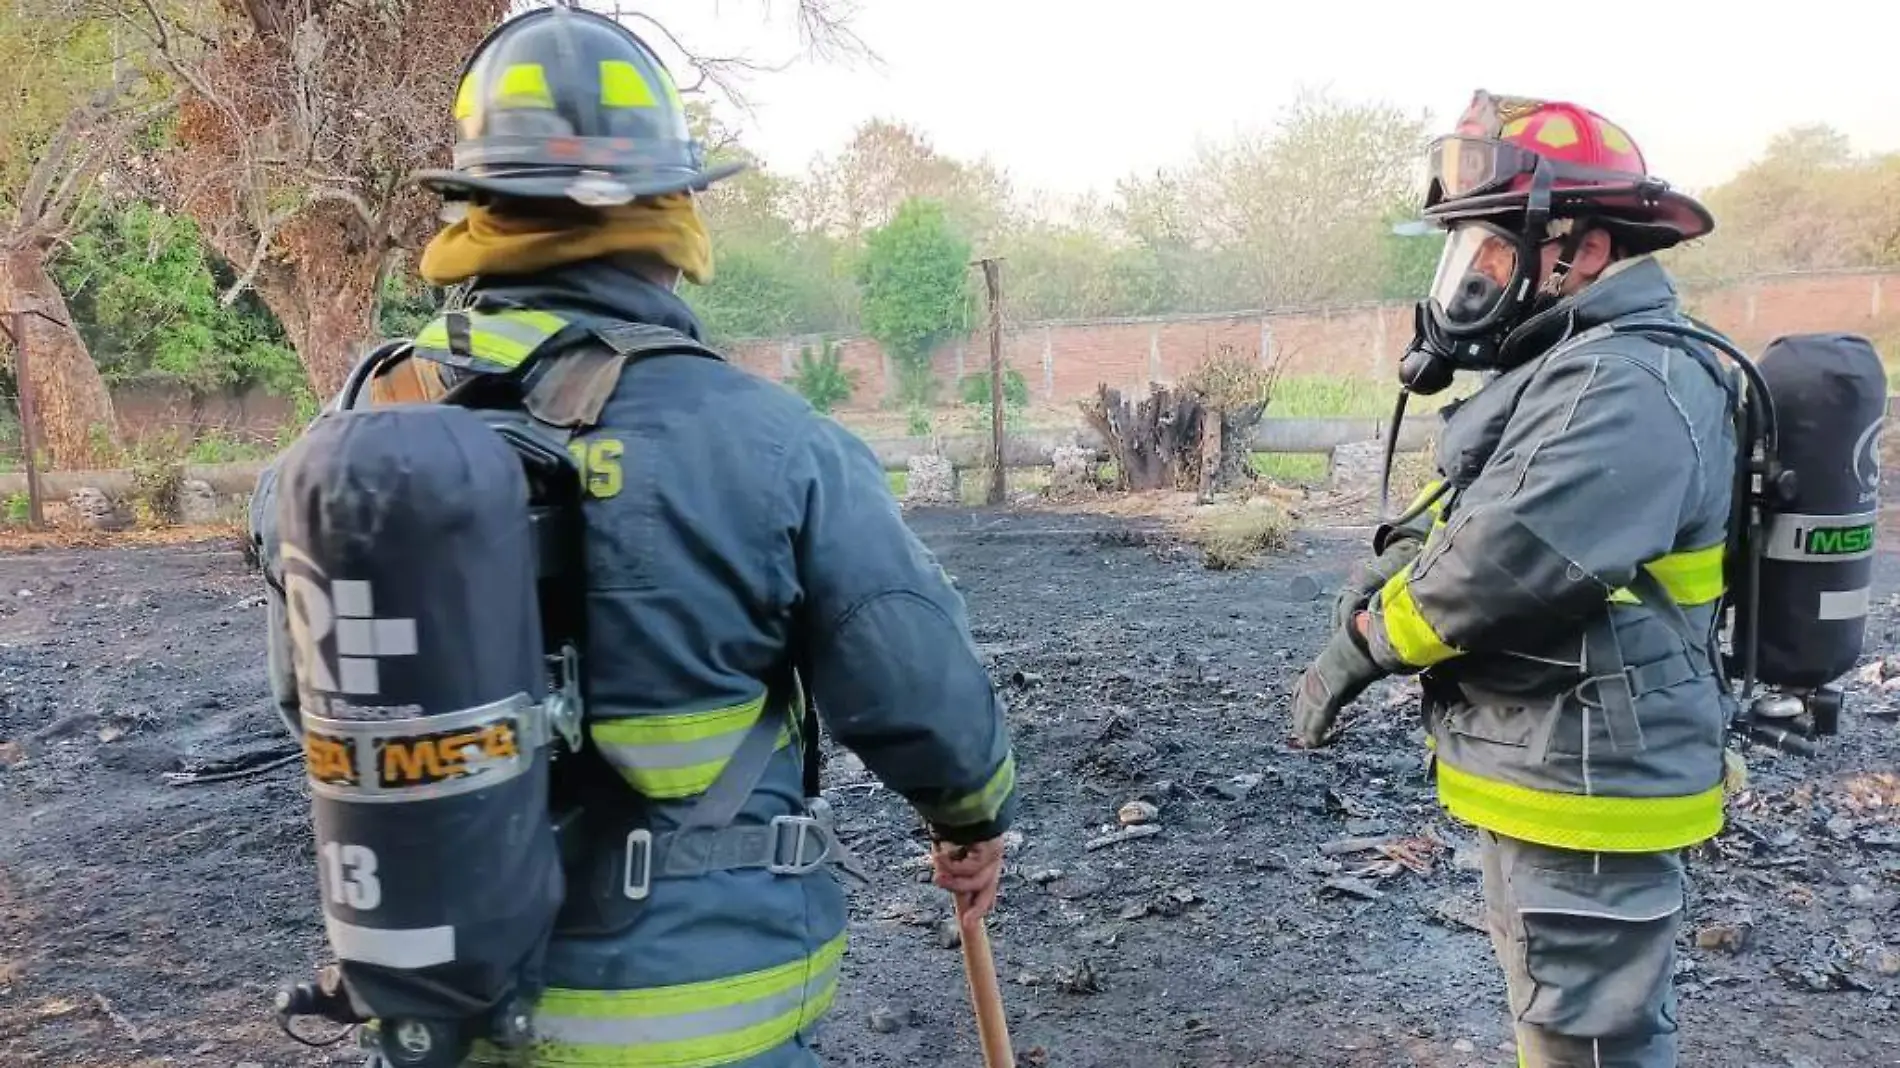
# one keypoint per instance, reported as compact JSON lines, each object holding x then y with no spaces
{"x":1510,"y":152}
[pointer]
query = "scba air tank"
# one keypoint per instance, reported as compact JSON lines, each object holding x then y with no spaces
{"x":410,"y":579}
{"x":1830,"y":398}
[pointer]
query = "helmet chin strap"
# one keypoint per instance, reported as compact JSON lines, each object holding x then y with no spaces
{"x":1553,"y":287}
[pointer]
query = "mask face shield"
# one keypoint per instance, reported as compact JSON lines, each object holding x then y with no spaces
{"x":1483,"y":276}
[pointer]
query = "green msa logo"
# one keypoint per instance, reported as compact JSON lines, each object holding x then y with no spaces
{"x":1836,"y":541}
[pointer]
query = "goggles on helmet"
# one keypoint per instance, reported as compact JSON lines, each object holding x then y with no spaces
{"x":1463,"y":166}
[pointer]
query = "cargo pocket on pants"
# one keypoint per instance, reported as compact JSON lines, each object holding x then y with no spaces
{"x":1599,"y":949}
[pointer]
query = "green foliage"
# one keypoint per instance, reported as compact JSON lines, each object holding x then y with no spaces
{"x":917,"y":420}
{"x":144,"y":294}
{"x":1410,"y":260}
{"x":974,"y":389}
{"x":407,"y":304}
{"x":769,"y":288}
{"x":823,"y":380}
{"x":915,"y":279}
{"x":50,"y":62}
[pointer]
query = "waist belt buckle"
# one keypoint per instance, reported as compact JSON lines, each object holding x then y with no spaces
{"x":799,"y":830}
{"x":637,"y":878}
{"x":1613,"y":690}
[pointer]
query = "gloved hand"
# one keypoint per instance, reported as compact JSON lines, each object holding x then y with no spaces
{"x":1334,"y":679}
{"x":1366,"y":578}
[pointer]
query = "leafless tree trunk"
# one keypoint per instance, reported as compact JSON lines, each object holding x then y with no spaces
{"x":74,"y":411}
{"x":329,"y":319}
{"x":72,"y":408}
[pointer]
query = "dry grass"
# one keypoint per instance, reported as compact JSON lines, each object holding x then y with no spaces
{"x":74,"y":537}
{"x":1231,"y":535}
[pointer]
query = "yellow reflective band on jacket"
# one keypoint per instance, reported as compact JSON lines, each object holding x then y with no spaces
{"x":668,"y":756}
{"x":1410,"y":636}
{"x":694,"y":1025}
{"x":1437,"y":508}
{"x":1579,"y":821}
{"x":1691,"y":577}
{"x":497,"y":341}
{"x":979,"y":807}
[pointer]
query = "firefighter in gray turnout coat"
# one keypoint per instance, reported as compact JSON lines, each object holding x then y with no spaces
{"x":1556,"y":588}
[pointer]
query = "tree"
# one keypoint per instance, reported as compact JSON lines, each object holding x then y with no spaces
{"x":1080,"y":271}
{"x":887,"y":163}
{"x":65,"y":114}
{"x":915,"y":279}
{"x":144,"y":293}
{"x":296,"y":140}
{"x":1302,"y":208}
{"x":303,"y":123}
{"x":769,"y":278}
{"x":1808,"y":203}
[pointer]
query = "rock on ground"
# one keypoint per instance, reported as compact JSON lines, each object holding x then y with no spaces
{"x":1357,"y":466}
{"x":933,"y":480}
{"x":1073,"y":474}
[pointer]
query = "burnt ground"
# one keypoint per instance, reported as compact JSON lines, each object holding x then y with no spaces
{"x":144,"y":923}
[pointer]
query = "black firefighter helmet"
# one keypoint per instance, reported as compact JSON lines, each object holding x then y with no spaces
{"x":566,"y":104}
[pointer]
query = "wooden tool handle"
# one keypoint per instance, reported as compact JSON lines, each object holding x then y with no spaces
{"x":985,"y":996}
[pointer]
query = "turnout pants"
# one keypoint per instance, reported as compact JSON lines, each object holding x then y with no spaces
{"x":1587,"y":942}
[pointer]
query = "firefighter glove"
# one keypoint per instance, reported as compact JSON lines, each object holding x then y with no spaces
{"x":1367,"y":576}
{"x":1334,"y":679}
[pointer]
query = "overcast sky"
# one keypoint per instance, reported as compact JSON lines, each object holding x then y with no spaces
{"x":1069,"y":95}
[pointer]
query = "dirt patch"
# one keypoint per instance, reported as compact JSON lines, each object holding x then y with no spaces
{"x":1291,"y":909}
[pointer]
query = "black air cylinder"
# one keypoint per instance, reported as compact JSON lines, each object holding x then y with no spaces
{"x":1830,"y":396}
{"x":416,"y":637}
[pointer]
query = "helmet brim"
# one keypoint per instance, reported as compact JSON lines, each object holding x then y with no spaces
{"x":1677,"y":215}
{"x":457,"y":185}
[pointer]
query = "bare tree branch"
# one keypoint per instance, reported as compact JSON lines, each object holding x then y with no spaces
{"x":53,"y":162}
{"x":267,"y":234}
{"x":344,"y":196}
{"x":824,"y":33}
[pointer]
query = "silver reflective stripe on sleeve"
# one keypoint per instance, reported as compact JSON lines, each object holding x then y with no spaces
{"x":413,"y":947}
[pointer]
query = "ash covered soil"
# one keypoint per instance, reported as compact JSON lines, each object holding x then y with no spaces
{"x":145,"y":923}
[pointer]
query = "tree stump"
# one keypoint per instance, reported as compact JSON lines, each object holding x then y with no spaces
{"x":1156,"y":441}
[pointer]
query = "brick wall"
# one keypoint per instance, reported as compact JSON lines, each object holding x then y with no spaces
{"x":1066,"y":361}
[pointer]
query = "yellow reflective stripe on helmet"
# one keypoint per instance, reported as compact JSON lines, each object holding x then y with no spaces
{"x":979,"y":807}
{"x":693,"y":1025}
{"x":1580,"y":821}
{"x":1406,"y":630}
{"x":503,"y":339}
{"x":1690,"y":577}
{"x":622,"y":87}
{"x":522,"y":85}
{"x":466,"y":99}
{"x":668,"y":756}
